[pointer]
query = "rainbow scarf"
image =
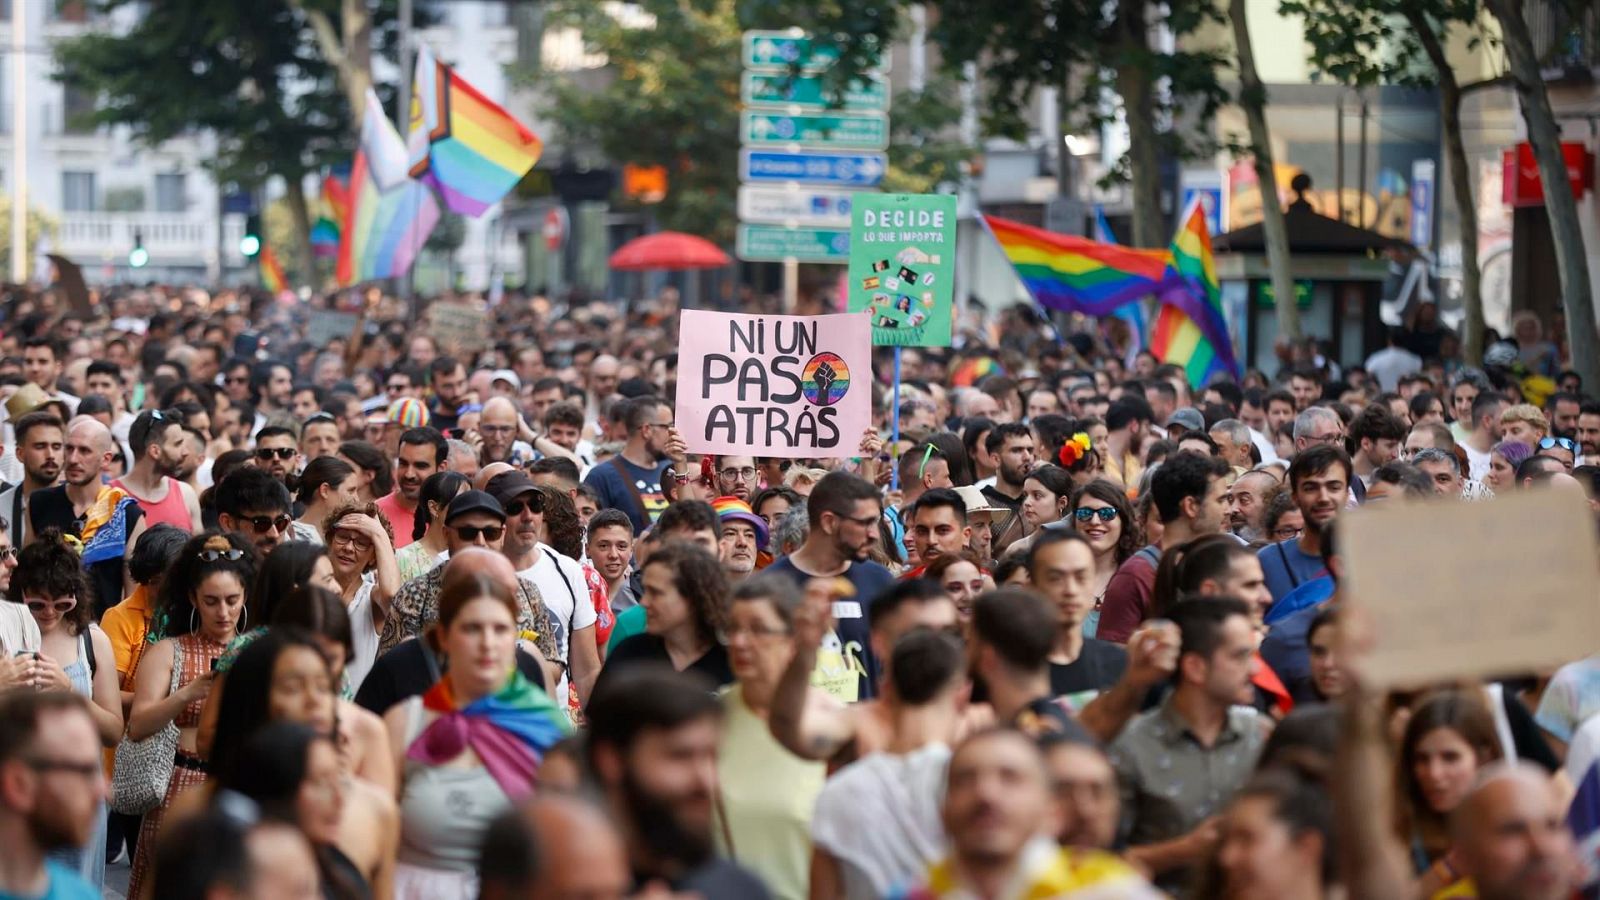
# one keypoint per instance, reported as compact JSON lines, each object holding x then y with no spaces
{"x":509,"y":730}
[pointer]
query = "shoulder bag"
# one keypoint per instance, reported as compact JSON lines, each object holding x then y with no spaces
{"x":143,"y":768}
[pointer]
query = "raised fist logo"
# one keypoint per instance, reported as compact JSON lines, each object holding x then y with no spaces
{"x":825,"y":379}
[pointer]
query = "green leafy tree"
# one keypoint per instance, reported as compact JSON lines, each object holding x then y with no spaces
{"x":248,"y":73}
{"x":1369,"y":42}
{"x":38,"y":226}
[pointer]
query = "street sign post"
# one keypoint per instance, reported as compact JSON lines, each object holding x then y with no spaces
{"x":829,"y":131}
{"x":809,"y":92}
{"x":857,"y":170}
{"x":794,"y":205}
{"x":775,"y":243}
{"x":780,"y":51}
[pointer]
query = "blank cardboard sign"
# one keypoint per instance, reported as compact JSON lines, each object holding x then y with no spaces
{"x":1472,"y":590}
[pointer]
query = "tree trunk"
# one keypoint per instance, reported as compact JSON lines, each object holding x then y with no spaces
{"x":352,"y":57}
{"x":1576,"y":294}
{"x":1455,"y":149}
{"x":301,"y":210}
{"x":1136,"y":85}
{"x":1253,"y":98}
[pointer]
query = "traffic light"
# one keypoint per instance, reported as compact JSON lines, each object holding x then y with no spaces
{"x":138,"y":256}
{"x":250,"y":244}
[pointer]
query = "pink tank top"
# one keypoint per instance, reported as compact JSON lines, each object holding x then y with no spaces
{"x":170,"y":509}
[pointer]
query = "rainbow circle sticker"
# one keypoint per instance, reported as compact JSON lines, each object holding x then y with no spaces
{"x":825,"y":379}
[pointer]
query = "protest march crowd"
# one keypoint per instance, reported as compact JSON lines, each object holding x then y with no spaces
{"x":382,"y":615}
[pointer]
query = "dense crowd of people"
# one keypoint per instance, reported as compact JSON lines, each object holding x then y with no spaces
{"x":381,"y":616}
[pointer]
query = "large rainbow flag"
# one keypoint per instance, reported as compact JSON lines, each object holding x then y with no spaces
{"x":1075,"y":274}
{"x":461,"y":142}
{"x":384,"y":229}
{"x":1191,"y":330}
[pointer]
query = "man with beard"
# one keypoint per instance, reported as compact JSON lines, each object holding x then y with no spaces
{"x":1561,"y":409}
{"x":271,"y":387}
{"x":1250,"y":503}
{"x":498,"y":425}
{"x":39,"y":449}
{"x":631,"y":480}
{"x":1319,"y":480}
{"x":844,"y":511}
{"x":998,"y":816}
{"x":89,"y":446}
{"x":553,"y":848}
{"x":736,"y":477}
{"x":744,"y":534}
{"x":1127,"y":422}
{"x":449,"y":381}
{"x":277,"y":452}
{"x":1589,"y":433}
{"x":652,"y":747}
{"x":159,"y":447}
{"x":559,"y":578}
{"x":51,"y":788}
{"x":1012,"y":445}
{"x":421,"y":452}
{"x":43,"y":361}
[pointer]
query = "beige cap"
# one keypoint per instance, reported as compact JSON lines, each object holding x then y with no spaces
{"x":978,"y":506}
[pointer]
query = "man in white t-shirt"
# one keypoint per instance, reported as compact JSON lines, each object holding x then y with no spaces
{"x":559,"y":579}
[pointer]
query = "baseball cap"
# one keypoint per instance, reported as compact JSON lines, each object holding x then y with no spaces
{"x":471,"y":502}
{"x":409,"y":412}
{"x":508,"y":486}
{"x":736,"y":510}
{"x":507,"y":376}
{"x":1188,"y":418}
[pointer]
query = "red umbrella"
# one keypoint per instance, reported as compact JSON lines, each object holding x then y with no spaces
{"x":668,"y":250}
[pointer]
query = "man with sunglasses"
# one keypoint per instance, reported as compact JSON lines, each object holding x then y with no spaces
{"x":277,"y":452}
{"x":1563,"y":450}
{"x":160,"y":447}
{"x":473,"y":519}
{"x":255,"y":505}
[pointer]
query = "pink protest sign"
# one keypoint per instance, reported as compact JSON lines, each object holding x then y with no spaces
{"x":794,"y":386}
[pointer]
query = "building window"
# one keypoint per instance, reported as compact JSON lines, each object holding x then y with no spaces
{"x":77,"y":111}
{"x":78,"y":192}
{"x":171,"y":196}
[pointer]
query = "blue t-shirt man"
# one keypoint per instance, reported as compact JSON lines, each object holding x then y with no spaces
{"x":63,"y":884}
{"x":850,"y":615}
{"x":620,"y":484}
{"x":1286,"y":567}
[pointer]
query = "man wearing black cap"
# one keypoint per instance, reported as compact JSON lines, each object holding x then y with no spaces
{"x":558,"y":578}
{"x":473,"y":519}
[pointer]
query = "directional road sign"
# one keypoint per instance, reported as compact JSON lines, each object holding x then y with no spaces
{"x":810,"y":92}
{"x":834,"y":131}
{"x":795,"y":205}
{"x":775,"y":243}
{"x":858,"y":170}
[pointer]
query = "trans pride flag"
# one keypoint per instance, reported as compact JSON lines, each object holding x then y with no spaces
{"x":385,"y":228}
{"x":1191,"y":330}
{"x":462,"y":143}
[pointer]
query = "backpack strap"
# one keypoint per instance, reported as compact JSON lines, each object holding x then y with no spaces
{"x":1294,"y":580}
{"x":627,"y":480}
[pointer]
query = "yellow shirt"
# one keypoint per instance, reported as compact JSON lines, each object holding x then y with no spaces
{"x":767,"y":796}
{"x":1459,"y":890}
{"x":126,"y":624}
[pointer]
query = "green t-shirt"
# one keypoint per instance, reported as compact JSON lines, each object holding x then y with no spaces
{"x":630,"y":622}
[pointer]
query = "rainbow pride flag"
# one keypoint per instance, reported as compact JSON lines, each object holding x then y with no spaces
{"x":1075,"y":274}
{"x":384,"y":229}
{"x":462,"y":143}
{"x":1191,"y":330}
{"x":271,"y":271}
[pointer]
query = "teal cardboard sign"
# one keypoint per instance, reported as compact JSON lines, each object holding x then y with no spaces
{"x":902,"y":267}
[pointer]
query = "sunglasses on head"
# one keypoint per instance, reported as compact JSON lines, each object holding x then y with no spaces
{"x":279,"y":452}
{"x":1085,"y":513}
{"x":1566,"y":444}
{"x":470,"y":532}
{"x":62,"y":606}
{"x":261,"y":523}
{"x":319,"y":417}
{"x":232,"y":554}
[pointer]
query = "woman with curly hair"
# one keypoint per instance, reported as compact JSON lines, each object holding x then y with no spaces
{"x":361,"y":548}
{"x":1100,"y":512}
{"x":202,"y":609}
{"x":74,"y":655}
{"x":686,"y":603}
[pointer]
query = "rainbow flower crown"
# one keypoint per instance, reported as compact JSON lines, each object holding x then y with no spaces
{"x":1073,"y":449}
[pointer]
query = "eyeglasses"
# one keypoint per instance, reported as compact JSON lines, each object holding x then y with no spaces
{"x":1330,"y":438}
{"x":279,"y":452}
{"x":233,"y":554}
{"x":516,"y":507}
{"x":262,"y":523}
{"x":470,"y":533}
{"x":9,"y":553}
{"x":659,"y":424}
{"x":864,"y":521}
{"x":497,"y":429}
{"x":81,"y":769}
{"x":398,"y":387}
{"x":1085,"y":513}
{"x":62,"y":607}
{"x":236,"y":379}
{"x":748,"y":473}
{"x":349,"y":537}
{"x":1564,"y":443}
{"x":726,"y":635}
{"x":1284,"y":534}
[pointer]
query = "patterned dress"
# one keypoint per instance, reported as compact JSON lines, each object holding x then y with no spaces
{"x":193,"y":654}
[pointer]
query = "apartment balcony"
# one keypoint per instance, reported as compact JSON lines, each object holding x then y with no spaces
{"x":1566,"y":40}
{"x":178,"y":240}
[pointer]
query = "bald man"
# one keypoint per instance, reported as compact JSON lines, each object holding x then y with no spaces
{"x":88,"y":449}
{"x":554,"y":847}
{"x":481,"y":480}
{"x":498,"y":425}
{"x":1511,"y":837}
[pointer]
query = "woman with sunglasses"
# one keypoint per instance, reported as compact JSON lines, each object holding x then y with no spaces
{"x":74,"y":655}
{"x":361,"y":547}
{"x":428,"y":547}
{"x":202,"y":609}
{"x":326,"y":484}
{"x":1100,"y":512}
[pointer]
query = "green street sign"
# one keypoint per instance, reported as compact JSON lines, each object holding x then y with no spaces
{"x":775,"y":243}
{"x":1267,"y":299}
{"x":808,"y":92}
{"x":783,"y":49}
{"x":841,"y":131}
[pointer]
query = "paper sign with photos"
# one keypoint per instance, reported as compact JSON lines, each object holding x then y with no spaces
{"x":902,"y":262}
